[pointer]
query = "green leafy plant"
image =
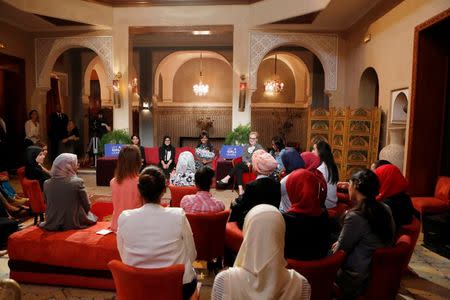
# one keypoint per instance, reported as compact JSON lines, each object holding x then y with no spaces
{"x":114,"y":137}
{"x":239,"y":135}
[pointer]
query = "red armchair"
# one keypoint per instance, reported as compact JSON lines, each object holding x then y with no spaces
{"x":178,"y":192}
{"x":33,"y":191}
{"x":21,"y":174}
{"x":209,"y":233}
{"x":387,"y":270}
{"x":137,"y":283}
{"x":413,"y":231}
{"x":151,"y":155}
{"x":233,"y":240}
{"x":439,"y":203}
{"x":102,"y":209}
{"x":320,"y":273}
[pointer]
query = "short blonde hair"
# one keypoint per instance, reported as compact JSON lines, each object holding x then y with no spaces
{"x":253,"y":133}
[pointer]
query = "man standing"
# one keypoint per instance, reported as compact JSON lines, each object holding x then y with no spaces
{"x":57,"y":130}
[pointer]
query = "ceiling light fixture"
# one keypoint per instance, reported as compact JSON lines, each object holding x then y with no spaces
{"x":274,"y":85}
{"x":201,"y":32}
{"x":201,"y":89}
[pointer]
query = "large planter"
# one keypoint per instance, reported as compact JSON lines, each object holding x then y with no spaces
{"x":395,"y":151}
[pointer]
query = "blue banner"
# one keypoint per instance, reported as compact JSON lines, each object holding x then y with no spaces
{"x":231,"y":152}
{"x":112,"y":150}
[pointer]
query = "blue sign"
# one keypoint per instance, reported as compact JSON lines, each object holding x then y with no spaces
{"x":231,"y":152}
{"x":112,"y":150}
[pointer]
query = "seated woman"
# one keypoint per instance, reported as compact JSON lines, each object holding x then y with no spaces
{"x":34,"y":158}
{"x":69,"y":144}
{"x":124,"y":190}
{"x":66,"y":197}
{"x":204,"y":152}
{"x":167,"y":156}
{"x":367,"y":226}
{"x":291,"y":161}
{"x":259,"y":271}
{"x":135,"y":140}
{"x":264,"y":190}
{"x":329,"y":170}
{"x":153,"y":236}
{"x":312,"y":162}
{"x":243,"y":167}
{"x":277,"y":151}
{"x":307,"y":224}
{"x":184,"y":173}
{"x":393,"y":188}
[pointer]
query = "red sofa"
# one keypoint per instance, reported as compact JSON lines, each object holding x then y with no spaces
{"x":439,"y":202}
{"x":71,"y":258}
{"x":152,"y":154}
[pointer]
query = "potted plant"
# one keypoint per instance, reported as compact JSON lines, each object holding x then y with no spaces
{"x":114,"y":137}
{"x":239,"y":135}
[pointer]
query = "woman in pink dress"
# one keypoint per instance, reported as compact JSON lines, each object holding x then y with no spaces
{"x":124,"y":188}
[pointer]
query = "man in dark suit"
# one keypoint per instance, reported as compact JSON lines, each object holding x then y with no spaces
{"x":57,"y":130}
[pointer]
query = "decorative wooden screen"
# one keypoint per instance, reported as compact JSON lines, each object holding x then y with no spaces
{"x":353,"y":135}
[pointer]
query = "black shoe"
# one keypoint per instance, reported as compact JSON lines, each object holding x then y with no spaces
{"x":220,"y":185}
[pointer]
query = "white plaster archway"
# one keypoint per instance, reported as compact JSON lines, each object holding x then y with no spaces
{"x":105,"y":85}
{"x":324,"y":46}
{"x":49,"y":49}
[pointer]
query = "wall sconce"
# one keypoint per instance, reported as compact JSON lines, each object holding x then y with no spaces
{"x":145,"y":104}
{"x":242,"y":93}
{"x":116,"y":90}
{"x":2,"y":46}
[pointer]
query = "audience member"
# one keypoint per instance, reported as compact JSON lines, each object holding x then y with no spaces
{"x":204,"y":152}
{"x":32,"y":129}
{"x":69,"y":143}
{"x":167,"y":156}
{"x":243,"y":167}
{"x":329,"y":170}
{"x":66,"y":197}
{"x":393,"y":188}
{"x":264,"y":190}
{"x":136,"y":140}
{"x":307,"y":224}
{"x":7,"y":224}
{"x":45,"y":161}
{"x":153,"y":236}
{"x":379,"y":163}
{"x":259,"y":271}
{"x":124,"y":189}
{"x":277,"y":150}
{"x":57,"y":131}
{"x":34,"y":158}
{"x":202,"y":201}
{"x":184,"y":173}
{"x":291,"y":162}
{"x":367,"y":226}
{"x":312,"y":162}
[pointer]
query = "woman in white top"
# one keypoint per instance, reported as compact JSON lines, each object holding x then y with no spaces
{"x":32,"y":132}
{"x":154,"y":236}
{"x":259,"y":271}
{"x":329,"y":170}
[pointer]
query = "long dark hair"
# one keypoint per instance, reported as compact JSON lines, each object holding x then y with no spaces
{"x":380,"y":221}
{"x":326,"y":156}
{"x":278,"y":142}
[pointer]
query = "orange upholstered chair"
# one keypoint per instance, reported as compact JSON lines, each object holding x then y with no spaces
{"x":33,"y":191}
{"x":387,"y":270}
{"x":413,"y":231}
{"x":209,"y":233}
{"x":233,"y":240}
{"x":178,"y":192}
{"x":102,"y":209}
{"x":320,"y":273}
{"x":136,"y":283}
{"x":21,"y":174}
{"x":439,"y":203}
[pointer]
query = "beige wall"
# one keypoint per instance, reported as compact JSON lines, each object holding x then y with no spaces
{"x":389,"y":52}
{"x":19,"y":43}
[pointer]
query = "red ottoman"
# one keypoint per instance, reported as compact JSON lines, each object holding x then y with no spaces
{"x":72,"y":258}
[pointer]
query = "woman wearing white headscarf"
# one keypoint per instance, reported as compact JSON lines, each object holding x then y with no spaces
{"x":184,"y":173}
{"x":259,"y":271}
{"x":67,"y":201}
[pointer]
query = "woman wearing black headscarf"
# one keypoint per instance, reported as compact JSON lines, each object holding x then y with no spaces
{"x":34,"y":158}
{"x":167,"y":156}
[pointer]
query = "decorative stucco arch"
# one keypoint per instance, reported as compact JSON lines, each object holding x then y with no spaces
{"x":49,"y":49}
{"x":105,"y":84}
{"x":324,"y":46}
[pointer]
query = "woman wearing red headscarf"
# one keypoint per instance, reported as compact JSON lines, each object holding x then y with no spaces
{"x":312,"y":162}
{"x":307,"y":226}
{"x":393,"y":193}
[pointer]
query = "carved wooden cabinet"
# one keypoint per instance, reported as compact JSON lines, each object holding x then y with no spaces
{"x":353,"y":135}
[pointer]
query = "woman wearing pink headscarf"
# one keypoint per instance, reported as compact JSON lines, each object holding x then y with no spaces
{"x":67,"y":200}
{"x":263,"y":190}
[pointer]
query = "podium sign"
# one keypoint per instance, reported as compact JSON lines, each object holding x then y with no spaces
{"x":112,"y":150}
{"x":231,"y":152}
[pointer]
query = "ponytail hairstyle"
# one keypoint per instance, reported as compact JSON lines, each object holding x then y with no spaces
{"x":380,"y":220}
{"x":326,"y":156}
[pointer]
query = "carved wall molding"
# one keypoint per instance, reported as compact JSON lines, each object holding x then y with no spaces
{"x":47,"y":51}
{"x":324,"y":46}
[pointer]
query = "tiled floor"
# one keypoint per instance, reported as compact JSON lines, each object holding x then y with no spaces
{"x":431,"y":281}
